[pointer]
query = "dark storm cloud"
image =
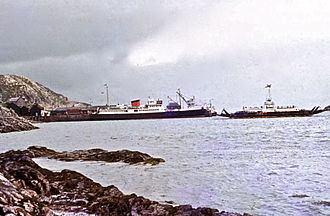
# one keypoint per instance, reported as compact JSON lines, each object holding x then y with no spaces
{"x":35,"y":29}
{"x":74,"y":47}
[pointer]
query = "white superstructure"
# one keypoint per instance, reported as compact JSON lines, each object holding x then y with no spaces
{"x":269,"y":106}
{"x":153,"y":106}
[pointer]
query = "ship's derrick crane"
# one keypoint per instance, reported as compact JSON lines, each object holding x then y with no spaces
{"x":190,"y":102}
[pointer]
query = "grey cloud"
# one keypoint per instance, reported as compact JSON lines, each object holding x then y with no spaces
{"x":35,"y":29}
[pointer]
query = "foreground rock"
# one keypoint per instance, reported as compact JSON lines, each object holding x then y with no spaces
{"x":126,"y":156}
{"x":10,"y":121}
{"x":28,"y":189}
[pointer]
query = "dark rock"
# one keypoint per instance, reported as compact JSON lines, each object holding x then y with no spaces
{"x":299,"y":196}
{"x":153,"y":161}
{"x":10,"y":121}
{"x":39,"y":151}
{"x":17,"y":201}
{"x":324,"y":203}
{"x":27,"y":189}
{"x":126,"y":156}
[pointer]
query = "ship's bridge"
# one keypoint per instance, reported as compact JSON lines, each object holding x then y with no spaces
{"x":269,"y":103}
{"x":154,"y":103}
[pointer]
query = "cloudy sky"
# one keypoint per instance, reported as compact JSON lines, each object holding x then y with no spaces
{"x":225,"y":50}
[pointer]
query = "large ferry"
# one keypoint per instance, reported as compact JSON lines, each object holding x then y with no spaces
{"x":153,"y":109}
{"x":269,"y":110}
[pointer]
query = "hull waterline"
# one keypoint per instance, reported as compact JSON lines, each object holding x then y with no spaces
{"x":303,"y":113}
{"x":198,"y":113}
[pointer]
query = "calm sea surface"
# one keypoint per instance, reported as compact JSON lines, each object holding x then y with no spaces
{"x":253,"y":165}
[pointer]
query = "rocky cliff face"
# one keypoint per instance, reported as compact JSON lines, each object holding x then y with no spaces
{"x":10,"y":121}
{"x":12,"y":86}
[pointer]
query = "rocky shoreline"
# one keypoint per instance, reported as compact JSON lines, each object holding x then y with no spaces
{"x":27,"y":189}
{"x":10,"y":121}
{"x":126,"y":156}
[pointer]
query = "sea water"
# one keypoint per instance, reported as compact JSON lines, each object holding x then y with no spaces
{"x":274,"y":166}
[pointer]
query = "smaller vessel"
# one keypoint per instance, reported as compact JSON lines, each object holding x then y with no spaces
{"x":269,"y":110}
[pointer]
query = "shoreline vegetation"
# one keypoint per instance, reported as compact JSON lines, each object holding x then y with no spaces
{"x":27,"y":189}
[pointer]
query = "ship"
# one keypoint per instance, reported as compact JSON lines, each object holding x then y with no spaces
{"x":270,"y":110}
{"x":152,"y":109}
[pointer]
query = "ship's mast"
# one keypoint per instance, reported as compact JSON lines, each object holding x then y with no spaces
{"x":107,"y":93}
{"x":179,"y":94}
{"x":182,"y":97}
{"x":268,"y":86}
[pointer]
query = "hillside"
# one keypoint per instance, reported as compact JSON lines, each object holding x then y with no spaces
{"x":12,"y":86}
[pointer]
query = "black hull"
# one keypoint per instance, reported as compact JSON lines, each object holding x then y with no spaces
{"x":302,"y":113}
{"x":128,"y":116}
{"x":160,"y":115}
